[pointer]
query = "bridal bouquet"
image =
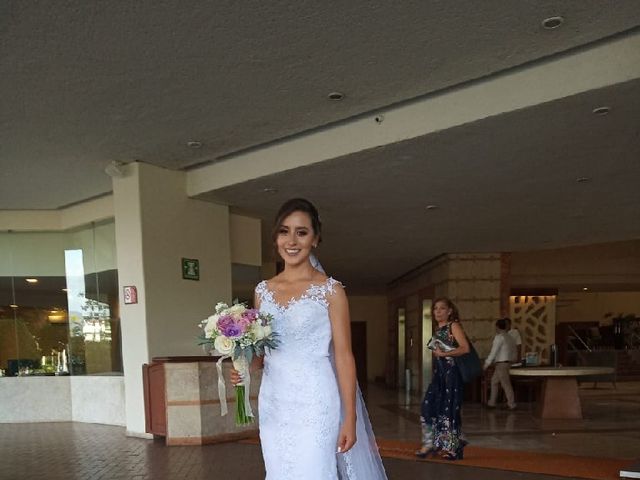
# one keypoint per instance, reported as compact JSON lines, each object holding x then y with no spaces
{"x":239,"y":333}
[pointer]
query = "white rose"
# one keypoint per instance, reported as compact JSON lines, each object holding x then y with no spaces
{"x":258,"y":331}
{"x":237,"y":309}
{"x":267,"y":330}
{"x":210,"y":325}
{"x":224,"y":345}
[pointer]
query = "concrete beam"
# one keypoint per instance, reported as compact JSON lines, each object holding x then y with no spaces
{"x":602,"y":65}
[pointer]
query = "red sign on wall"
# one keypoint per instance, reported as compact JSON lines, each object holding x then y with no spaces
{"x":130,"y":294}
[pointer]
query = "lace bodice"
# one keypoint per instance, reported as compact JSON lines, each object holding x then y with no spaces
{"x":302,"y":325}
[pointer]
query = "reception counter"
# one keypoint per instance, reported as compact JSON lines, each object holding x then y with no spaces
{"x":182,"y":403}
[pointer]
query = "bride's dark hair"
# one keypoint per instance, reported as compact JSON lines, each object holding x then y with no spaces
{"x":297,"y":205}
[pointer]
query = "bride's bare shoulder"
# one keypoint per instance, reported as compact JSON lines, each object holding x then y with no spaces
{"x":275,"y":281}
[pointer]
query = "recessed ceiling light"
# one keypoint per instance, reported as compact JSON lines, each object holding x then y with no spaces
{"x":270,"y":190}
{"x":31,"y":280}
{"x":583,"y":179}
{"x":431,"y":207}
{"x":552,"y":23}
{"x":194,"y":144}
{"x":604,"y":110}
{"x":336,"y":96}
{"x":585,"y":288}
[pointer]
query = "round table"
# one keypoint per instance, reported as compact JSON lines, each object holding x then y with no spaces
{"x":559,"y":388}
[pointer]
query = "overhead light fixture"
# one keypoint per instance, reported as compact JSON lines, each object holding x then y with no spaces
{"x":57,"y":316}
{"x":431,"y":207}
{"x":13,"y":305}
{"x":114,"y":169}
{"x":583,"y":179}
{"x":552,"y":23}
{"x":31,"y":280}
{"x":336,"y":96}
{"x":585,"y":288}
{"x":194,"y":144}
{"x":604,"y":110}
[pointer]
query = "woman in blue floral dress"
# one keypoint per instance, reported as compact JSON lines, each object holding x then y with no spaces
{"x":441,"y":408}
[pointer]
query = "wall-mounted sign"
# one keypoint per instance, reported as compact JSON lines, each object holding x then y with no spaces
{"x":190,"y":269}
{"x":130,"y":294}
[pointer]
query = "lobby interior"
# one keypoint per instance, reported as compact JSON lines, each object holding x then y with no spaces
{"x":489,"y":155}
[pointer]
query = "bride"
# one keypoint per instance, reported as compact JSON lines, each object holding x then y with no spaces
{"x":313,"y":422}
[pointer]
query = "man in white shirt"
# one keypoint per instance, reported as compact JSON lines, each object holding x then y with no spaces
{"x":503,"y":353}
{"x":515,"y":334}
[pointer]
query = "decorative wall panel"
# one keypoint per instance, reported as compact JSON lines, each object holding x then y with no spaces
{"x":535,"y":317}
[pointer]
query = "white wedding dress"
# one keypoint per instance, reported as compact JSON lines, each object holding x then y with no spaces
{"x":299,"y":400}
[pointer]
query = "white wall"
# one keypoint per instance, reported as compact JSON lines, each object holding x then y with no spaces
{"x":173,"y":227}
{"x":35,"y":399}
{"x":372,"y":309}
{"x":98,"y":399}
{"x":246,"y":246}
{"x":41,"y":254}
{"x":94,"y":210}
{"x":89,"y":399}
{"x":32,"y":254}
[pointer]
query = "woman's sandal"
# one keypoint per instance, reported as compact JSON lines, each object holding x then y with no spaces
{"x":424,"y":452}
{"x":451,"y":457}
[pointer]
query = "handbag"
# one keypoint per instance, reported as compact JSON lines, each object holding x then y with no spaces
{"x":469,"y":364}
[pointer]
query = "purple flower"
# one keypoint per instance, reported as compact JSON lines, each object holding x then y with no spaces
{"x":250,"y":314}
{"x":225,"y":321}
{"x":232,"y":330}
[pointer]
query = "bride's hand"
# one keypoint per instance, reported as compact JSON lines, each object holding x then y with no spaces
{"x":256,"y":364}
{"x":346,"y":437}
{"x":235,"y":376}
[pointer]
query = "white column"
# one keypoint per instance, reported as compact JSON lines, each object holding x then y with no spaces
{"x":156,"y":226}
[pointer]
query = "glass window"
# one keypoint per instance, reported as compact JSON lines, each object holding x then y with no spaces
{"x":59,"y":302}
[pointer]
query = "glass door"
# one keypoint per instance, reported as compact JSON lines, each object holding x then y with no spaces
{"x":427,"y":332}
{"x":401,"y":347}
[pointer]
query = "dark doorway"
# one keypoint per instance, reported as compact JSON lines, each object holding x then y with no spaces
{"x":359,"y":347}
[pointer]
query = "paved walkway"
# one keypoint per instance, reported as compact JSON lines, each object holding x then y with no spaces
{"x":70,"y":451}
{"x":76,"y":451}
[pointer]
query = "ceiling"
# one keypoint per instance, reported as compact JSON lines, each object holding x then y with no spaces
{"x":87,"y":83}
{"x":504,"y":183}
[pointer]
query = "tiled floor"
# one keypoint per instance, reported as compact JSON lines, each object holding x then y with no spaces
{"x":610,"y":428}
{"x":69,"y":451}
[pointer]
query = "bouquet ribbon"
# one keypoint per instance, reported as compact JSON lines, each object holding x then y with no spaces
{"x":242,"y":366}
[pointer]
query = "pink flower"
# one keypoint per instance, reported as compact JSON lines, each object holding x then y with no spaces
{"x":224,"y":322}
{"x":243,"y":322}
{"x":250,"y":314}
